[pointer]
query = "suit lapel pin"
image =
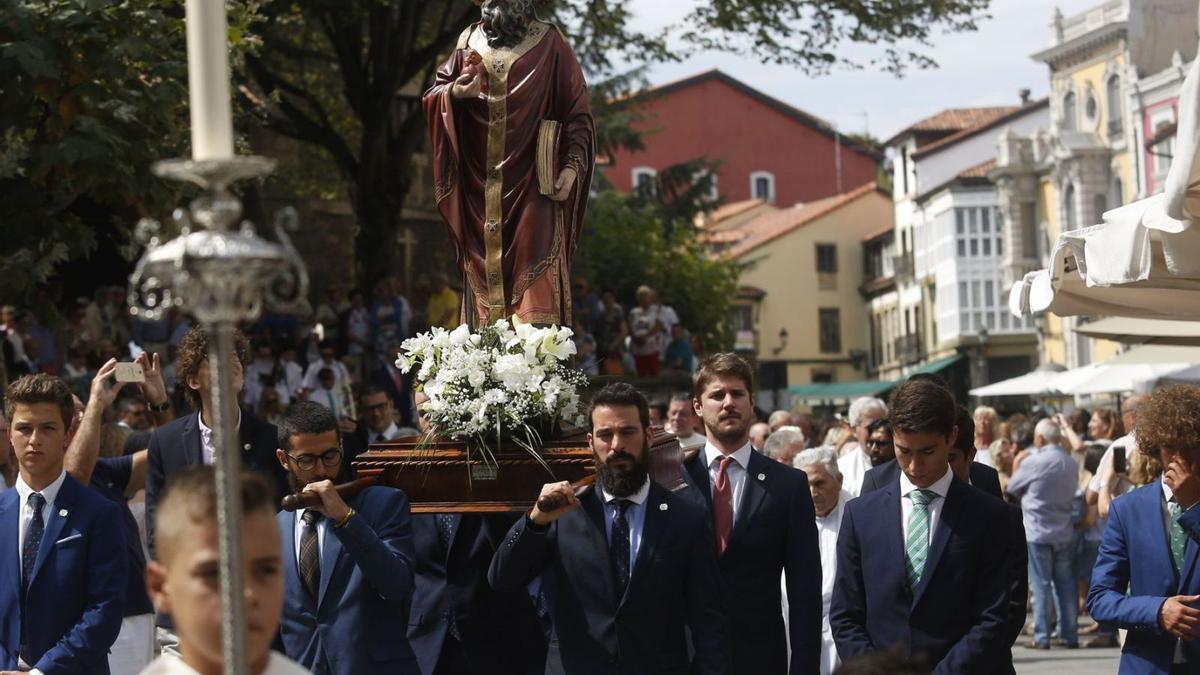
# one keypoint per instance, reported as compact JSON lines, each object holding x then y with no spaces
{"x":762,"y":476}
{"x":246,"y":448}
{"x":62,"y":513}
{"x":662,"y":507}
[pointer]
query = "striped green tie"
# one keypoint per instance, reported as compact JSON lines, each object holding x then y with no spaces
{"x":916,"y":549}
{"x":1178,"y":539}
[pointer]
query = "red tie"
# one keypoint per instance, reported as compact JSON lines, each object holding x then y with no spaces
{"x":723,"y":504}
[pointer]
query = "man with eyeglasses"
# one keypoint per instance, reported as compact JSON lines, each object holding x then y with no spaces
{"x":349,"y":563}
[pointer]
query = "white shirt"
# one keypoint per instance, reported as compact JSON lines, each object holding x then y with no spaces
{"x":341,"y":376}
{"x":50,"y":493}
{"x":173,"y":665}
{"x":940,"y":487}
{"x":293,"y":377}
{"x":322,"y":528}
{"x":208,"y":446}
{"x":389,"y":434}
{"x":333,"y":399}
{"x":854,"y":464}
{"x":827,"y":535}
{"x":693,"y":441}
{"x":736,"y":472}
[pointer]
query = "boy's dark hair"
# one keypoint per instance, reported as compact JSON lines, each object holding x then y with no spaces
{"x":920,"y":406}
{"x":965,"y":422}
{"x":306,"y":417}
{"x":191,"y":497}
{"x":620,"y":394}
{"x":40,"y":388}
{"x":723,"y":364}
{"x":193,"y":353}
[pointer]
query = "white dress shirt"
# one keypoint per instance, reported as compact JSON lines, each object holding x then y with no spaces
{"x":939,"y":487}
{"x":853,"y":466}
{"x":389,"y":434}
{"x":208,"y":446}
{"x":736,"y":472}
{"x":322,"y":528}
{"x":49,"y":493}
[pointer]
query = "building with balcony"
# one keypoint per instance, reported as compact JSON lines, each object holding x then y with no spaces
{"x":1108,"y":141}
{"x":800,"y":313}
{"x":951,"y":298}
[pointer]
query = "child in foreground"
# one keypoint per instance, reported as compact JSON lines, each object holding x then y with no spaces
{"x":184,"y":580}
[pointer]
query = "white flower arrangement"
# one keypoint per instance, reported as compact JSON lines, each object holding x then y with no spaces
{"x":506,"y":381}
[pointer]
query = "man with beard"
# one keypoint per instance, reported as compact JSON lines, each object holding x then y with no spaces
{"x":490,"y":114}
{"x":626,"y":566}
{"x":765,"y":525}
{"x":348,"y":565}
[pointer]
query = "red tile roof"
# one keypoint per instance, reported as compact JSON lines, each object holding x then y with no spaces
{"x":954,"y":120}
{"x":771,"y":226}
{"x":979,"y":170}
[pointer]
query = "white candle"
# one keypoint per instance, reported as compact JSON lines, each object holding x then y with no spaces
{"x":208,"y":80}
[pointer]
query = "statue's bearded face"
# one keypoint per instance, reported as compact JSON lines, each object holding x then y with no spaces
{"x":505,"y":22}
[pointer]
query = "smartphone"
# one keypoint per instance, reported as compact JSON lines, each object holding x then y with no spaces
{"x":1120,"y":465}
{"x":129,"y":372}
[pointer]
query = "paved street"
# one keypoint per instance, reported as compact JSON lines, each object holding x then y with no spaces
{"x":1060,"y":661}
{"x":1063,"y":661}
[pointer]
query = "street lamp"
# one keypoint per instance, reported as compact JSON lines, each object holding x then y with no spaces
{"x":222,"y":276}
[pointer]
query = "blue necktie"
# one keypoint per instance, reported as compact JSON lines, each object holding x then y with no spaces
{"x":33,"y":539}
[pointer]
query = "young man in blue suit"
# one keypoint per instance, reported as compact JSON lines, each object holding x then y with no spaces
{"x":627,"y":566}
{"x":189,"y":440}
{"x":348,"y":564}
{"x":1145,"y":578}
{"x":62,"y":580}
{"x":923,"y":563}
{"x":764,"y":525}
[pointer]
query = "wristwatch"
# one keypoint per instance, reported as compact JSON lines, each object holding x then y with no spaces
{"x":159,"y":407}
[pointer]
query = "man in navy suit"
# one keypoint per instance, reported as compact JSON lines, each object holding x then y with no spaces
{"x":189,"y":440}
{"x":349,"y":564}
{"x":976,"y":474}
{"x":924,"y":562}
{"x":459,"y":625}
{"x":627,"y":566}
{"x":62,"y":583}
{"x":1145,"y":578}
{"x":764,"y":525}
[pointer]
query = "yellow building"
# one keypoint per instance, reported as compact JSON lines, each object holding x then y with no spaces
{"x":799,"y":312}
{"x":1086,"y":164}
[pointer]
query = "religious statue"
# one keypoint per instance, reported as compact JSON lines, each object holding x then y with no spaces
{"x":513,"y":146}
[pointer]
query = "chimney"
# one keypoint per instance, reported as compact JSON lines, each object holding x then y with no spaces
{"x":1024,"y":94}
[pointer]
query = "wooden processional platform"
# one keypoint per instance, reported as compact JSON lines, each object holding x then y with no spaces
{"x":437,"y":477}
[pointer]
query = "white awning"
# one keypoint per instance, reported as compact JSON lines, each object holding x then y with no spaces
{"x":1144,"y":260}
{"x":1143,"y":331}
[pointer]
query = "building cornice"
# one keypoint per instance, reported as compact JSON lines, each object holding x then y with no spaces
{"x":1057,"y":55}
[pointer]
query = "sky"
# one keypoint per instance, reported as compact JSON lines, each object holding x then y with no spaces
{"x":984,"y":68}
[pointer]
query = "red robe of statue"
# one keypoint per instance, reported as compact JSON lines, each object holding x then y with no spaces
{"x":514,"y":245}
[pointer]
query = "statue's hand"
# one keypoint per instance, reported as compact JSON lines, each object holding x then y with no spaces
{"x":562,"y":186}
{"x":467,"y":85}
